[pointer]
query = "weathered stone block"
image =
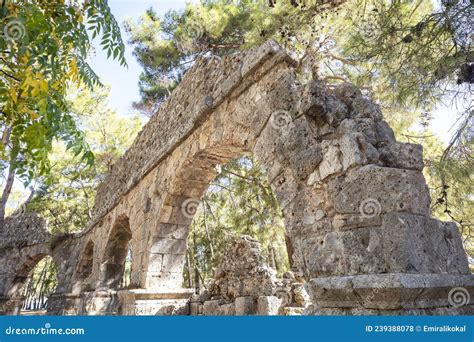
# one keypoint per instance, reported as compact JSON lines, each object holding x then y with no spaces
{"x":320,"y":105}
{"x":316,"y":228}
{"x":364,"y":108}
{"x":227,"y":309}
{"x":168,"y":246}
{"x":324,"y":255}
{"x":294,"y":138}
{"x":155,"y":262}
{"x":402,"y":156}
{"x":347,"y":92}
{"x":336,"y":110}
{"x":417,"y":244}
{"x":390,"y":291}
{"x":303,"y":162}
{"x":242,"y":272}
{"x":384,"y":132}
{"x":172,"y":231}
{"x":312,"y":102}
{"x":195,"y":309}
{"x":173,"y":262}
{"x":245,"y":306}
{"x":367,"y":126}
{"x":351,"y":153}
{"x":371,"y":190}
{"x":256,"y":57}
{"x":283,"y":185}
{"x":292,"y":311}
{"x":268,"y":305}
{"x":363,"y":251}
{"x":162,"y":279}
{"x":211,"y":307}
{"x":331,"y":162}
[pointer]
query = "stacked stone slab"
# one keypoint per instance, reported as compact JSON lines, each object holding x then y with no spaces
{"x":366,"y":217}
{"x":355,"y":201}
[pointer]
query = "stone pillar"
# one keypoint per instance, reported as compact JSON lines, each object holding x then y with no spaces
{"x":357,"y":210}
{"x":380,"y":253}
{"x":166,"y":257}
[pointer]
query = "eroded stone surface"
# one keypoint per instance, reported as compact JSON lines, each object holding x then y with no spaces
{"x":245,"y":285}
{"x":355,"y":201}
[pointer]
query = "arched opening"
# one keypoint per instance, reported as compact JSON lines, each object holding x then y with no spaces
{"x":238,"y":202}
{"x":33,"y":284}
{"x":113,"y":264}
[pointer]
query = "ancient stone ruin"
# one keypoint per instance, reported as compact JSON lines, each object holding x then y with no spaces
{"x":245,"y":285}
{"x":355,"y":202}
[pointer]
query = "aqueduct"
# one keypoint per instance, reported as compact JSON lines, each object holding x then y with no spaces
{"x":355,"y":202}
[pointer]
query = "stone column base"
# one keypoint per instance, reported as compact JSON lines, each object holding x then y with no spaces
{"x":154,"y":302}
{"x":393,"y":294}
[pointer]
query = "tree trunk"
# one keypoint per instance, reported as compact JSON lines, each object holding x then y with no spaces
{"x":208,"y":235}
{"x":10,"y":178}
{"x":275,"y":259}
{"x":271,"y":257}
{"x":197,"y":280}
{"x":6,"y":193}
{"x":188,"y":270}
{"x":38,"y":294}
{"x":26,"y":293}
{"x":289,"y":250}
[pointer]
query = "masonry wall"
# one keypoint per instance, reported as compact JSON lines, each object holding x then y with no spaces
{"x":355,"y":202}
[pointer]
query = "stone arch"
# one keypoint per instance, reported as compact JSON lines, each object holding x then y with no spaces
{"x":233,"y":130}
{"x":355,"y":203}
{"x":169,"y":243}
{"x":191,"y":177}
{"x":22,"y":273}
{"x":341,"y":179}
{"x":115,"y":253}
{"x":30,"y":260}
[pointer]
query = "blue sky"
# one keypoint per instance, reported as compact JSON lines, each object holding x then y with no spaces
{"x":124,"y":81}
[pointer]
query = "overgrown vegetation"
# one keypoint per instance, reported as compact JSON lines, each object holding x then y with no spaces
{"x":239,"y":201}
{"x":43,"y":50}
